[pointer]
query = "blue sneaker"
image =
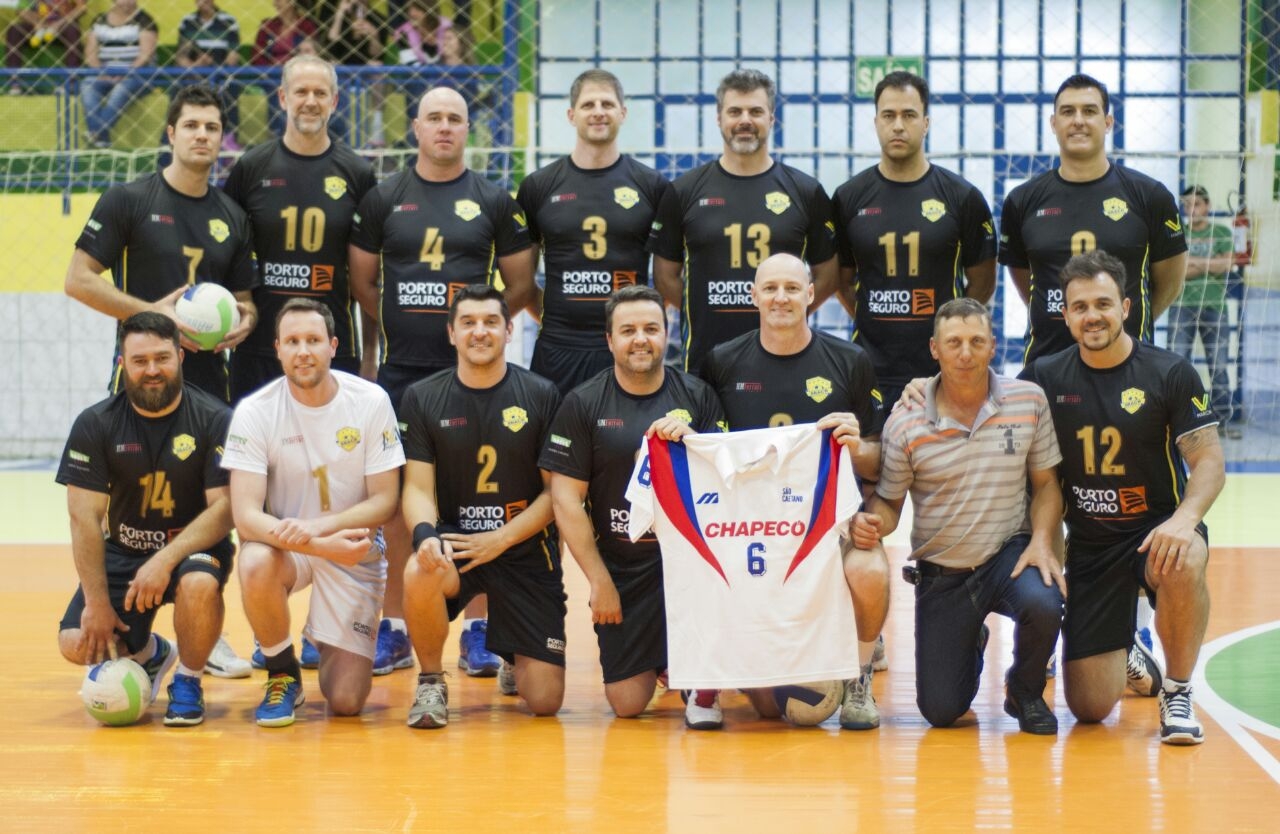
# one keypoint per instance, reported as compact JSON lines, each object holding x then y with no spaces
{"x":186,"y":702}
{"x":310,"y":655}
{"x":473,"y":658}
{"x":1144,"y":637}
{"x":159,"y":665}
{"x":257,"y":660}
{"x":393,"y":651}
{"x":284,"y":694}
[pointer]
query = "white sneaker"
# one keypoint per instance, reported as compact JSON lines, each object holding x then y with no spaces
{"x":1142,"y":672}
{"x":879,"y":663}
{"x":223,"y":662}
{"x":702,"y":712}
{"x":1178,"y":724}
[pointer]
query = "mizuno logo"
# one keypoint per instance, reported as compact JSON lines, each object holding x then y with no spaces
{"x":709,"y":498}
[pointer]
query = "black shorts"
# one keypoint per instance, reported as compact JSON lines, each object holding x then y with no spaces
{"x":121,"y":568}
{"x":526,"y":606}
{"x":1103,"y":579}
{"x":251,"y":371}
{"x":569,"y":367}
{"x":394,"y":379}
{"x":639,"y":643}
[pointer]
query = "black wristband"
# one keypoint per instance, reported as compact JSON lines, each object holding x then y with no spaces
{"x":423,"y":531}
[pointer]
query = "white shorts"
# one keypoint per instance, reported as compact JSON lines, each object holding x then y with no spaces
{"x":346,"y":602}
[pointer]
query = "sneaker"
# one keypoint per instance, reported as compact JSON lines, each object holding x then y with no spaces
{"x":1142,"y":671}
{"x":1178,"y":724}
{"x":430,"y":710}
{"x":858,"y":710}
{"x":1051,"y":668}
{"x":1144,"y":637}
{"x":159,"y":665}
{"x":702,"y":712}
{"x":186,"y":702}
{"x":393,"y":650}
{"x":257,"y":660}
{"x":473,"y":658}
{"x":1033,"y":714}
{"x":284,"y":695}
{"x":879,"y":663}
{"x":507,"y":679}
{"x":310,"y":655}
{"x":223,"y":662}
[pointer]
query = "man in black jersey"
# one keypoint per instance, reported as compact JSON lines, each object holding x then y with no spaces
{"x":1088,"y":203}
{"x":784,"y":373}
{"x":166,"y":231}
{"x":432,"y":229}
{"x":474,"y":495}
{"x":724,"y":218}
{"x":300,"y":192}
{"x":1128,"y":415}
{"x":146,"y":462}
{"x":911,"y":237}
{"x":590,"y":212}
{"x":590,"y":453}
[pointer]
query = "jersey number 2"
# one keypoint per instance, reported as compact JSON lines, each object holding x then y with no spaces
{"x":1108,"y":437}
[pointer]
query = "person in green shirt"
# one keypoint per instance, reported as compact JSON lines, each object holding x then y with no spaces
{"x":1202,"y":307}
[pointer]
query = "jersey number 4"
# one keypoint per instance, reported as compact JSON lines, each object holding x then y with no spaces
{"x":157,"y":494}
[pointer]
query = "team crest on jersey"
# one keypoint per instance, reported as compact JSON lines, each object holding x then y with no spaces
{"x":626,"y":197}
{"x":1132,"y":399}
{"x":348,"y":438}
{"x":515,"y":418}
{"x":219,"y":230}
{"x":817,"y":388}
{"x":1115,"y":208}
{"x":468,"y":210}
{"x":681,"y":414}
{"x":183,"y":446}
{"x":335,"y":187}
{"x":777,"y":202}
{"x":933,"y":210}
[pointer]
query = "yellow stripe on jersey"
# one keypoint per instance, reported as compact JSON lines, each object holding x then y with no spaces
{"x":1144,"y":290}
{"x":1168,"y":456}
{"x":685,"y":323}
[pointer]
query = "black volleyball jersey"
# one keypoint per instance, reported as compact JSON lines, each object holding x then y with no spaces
{"x":760,"y":390}
{"x":300,"y":209}
{"x":909,"y":244}
{"x":155,"y":469}
{"x":485,"y":445}
{"x":1047,"y":220}
{"x":434,"y":237}
{"x":722,"y":227}
{"x":1118,"y":429}
{"x":592,"y":226}
{"x":595,"y":437}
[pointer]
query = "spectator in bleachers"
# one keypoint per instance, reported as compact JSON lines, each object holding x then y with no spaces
{"x":355,"y":35}
{"x":121,"y":41}
{"x":209,"y":37}
{"x":279,"y":38}
{"x":414,"y":41}
{"x":43,"y":22}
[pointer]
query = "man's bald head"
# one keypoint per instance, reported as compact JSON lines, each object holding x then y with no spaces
{"x":782,"y":265}
{"x":443,"y":99}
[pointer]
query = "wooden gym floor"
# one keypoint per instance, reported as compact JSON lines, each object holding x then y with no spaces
{"x":496,"y":768}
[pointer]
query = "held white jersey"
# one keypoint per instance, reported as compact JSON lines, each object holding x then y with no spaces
{"x":749,"y":524}
{"x":315,"y":459}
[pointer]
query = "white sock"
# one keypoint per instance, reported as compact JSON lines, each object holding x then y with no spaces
{"x":1170,"y":685}
{"x":272,"y":651}
{"x":146,"y":652}
{"x":396,"y":624}
{"x":466,"y":624}
{"x":184,"y":670}
{"x":1145,"y":612}
{"x":865,"y":651}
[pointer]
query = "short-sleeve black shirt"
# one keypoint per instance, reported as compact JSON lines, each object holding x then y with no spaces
{"x":485,"y":445}
{"x":722,"y":227}
{"x":155,"y":469}
{"x":300,"y":208}
{"x":1047,"y":220}
{"x":434,"y":237}
{"x":909,"y":244}
{"x":595,"y":437}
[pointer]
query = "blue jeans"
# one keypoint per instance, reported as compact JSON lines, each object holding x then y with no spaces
{"x":106,"y":97}
{"x":949,"y":613}
{"x":1211,"y":324}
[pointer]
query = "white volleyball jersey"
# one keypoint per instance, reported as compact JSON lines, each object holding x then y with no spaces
{"x":315,"y":459}
{"x":748,"y":523}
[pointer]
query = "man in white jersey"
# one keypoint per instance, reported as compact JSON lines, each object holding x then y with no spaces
{"x":966,"y":459}
{"x":321,"y":449}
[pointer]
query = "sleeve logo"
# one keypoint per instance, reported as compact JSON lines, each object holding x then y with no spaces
{"x":1115,"y":208}
{"x":348,"y":438}
{"x":1132,"y":399}
{"x":515,"y":418}
{"x":626,"y":197}
{"x":183,"y":446}
{"x":468,"y":210}
{"x":335,"y":187}
{"x":777,"y":202}
{"x":1200,"y":404}
{"x":933,"y":210}
{"x":219,"y":230}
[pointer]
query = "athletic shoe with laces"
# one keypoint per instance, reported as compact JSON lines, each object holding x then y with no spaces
{"x":160,"y":663}
{"x":1033,"y":714}
{"x":256,"y":660}
{"x":702,"y":712}
{"x":284,"y":695}
{"x":430,"y":709}
{"x":473,"y":657}
{"x":858,"y":710}
{"x":1144,"y":637}
{"x":879,"y":663}
{"x":186,"y":702}
{"x":310,"y":657}
{"x":507,"y":679}
{"x":1178,"y":724}
{"x":1142,"y":671}
{"x":393,"y":650}
{"x":223,"y":662}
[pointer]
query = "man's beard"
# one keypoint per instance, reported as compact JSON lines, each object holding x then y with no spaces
{"x":152,"y":399}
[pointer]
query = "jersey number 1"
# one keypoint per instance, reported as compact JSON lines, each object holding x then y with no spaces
{"x":1109,"y":437}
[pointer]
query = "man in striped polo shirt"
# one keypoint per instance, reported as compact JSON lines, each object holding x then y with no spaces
{"x":967,"y":460}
